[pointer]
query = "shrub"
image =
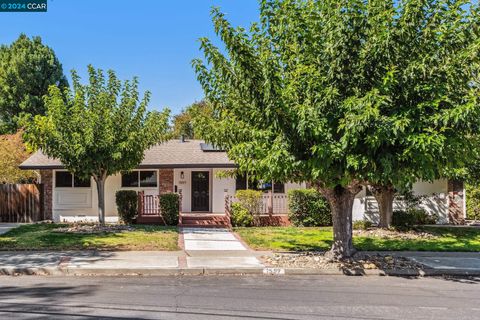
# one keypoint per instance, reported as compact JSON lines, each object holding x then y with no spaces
{"x":473,"y":202}
{"x":308,"y":208}
{"x":241,"y":217}
{"x":362,"y":224}
{"x":423,"y":217}
{"x":126,"y":201}
{"x":169,"y":206}
{"x":250,"y":200}
{"x":406,"y":219}
{"x":402,"y":219}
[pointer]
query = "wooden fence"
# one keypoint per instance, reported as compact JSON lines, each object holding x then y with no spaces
{"x":21,"y":203}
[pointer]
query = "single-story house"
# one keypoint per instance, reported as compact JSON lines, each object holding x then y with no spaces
{"x":191,"y":168}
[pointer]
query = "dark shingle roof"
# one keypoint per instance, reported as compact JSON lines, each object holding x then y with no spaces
{"x":170,"y":154}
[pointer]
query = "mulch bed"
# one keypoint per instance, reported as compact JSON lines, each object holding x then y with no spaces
{"x":393,"y":234}
{"x":94,"y":228}
{"x":317,"y":260}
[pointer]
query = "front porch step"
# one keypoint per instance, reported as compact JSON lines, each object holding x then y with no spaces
{"x":149,"y":220}
{"x":204,"y":221}
{"x":220,"y":226}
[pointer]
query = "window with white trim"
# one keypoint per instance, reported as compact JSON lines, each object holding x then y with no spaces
{"x":139,"y":179}
{"x":64,"y":179}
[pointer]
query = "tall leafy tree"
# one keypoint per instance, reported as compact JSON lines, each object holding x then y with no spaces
{"x":12,"y":153}
{"x":27,"y":69}
{"x":343,"y":94}
{"x":97,"y":129}
{"x":183,"y":123}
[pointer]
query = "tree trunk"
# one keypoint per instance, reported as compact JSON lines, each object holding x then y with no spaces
{"x":100,"y":180}
{"x":341,"y":203}
{"x":384,"y":195}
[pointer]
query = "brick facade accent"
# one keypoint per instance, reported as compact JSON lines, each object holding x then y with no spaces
{"x":165,"y":177}
{"x":46,"y":178}
{"x":456,"y":202}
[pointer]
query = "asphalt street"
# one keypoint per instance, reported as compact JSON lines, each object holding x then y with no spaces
{"x":238,"y":297}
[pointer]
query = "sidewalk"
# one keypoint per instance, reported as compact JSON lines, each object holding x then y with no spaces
{"x":207,"y":262}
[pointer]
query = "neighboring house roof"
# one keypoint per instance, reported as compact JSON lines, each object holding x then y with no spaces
{"x":170,"y":154}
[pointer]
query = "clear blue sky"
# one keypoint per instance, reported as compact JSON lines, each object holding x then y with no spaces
{"x":152,"y":39}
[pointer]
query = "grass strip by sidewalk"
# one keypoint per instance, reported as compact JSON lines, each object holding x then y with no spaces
{"x":44,"y":237}
{"x":319,"y":239}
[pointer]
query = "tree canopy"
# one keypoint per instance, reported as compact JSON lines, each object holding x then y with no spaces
{"x":27,"y":69}
{"x":184,"y":122}
{"x":344,"y":93}
{"x":97,"y":129}
{"x":12,"y":153}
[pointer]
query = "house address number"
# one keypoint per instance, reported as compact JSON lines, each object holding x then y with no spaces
{"x":274,"y":271}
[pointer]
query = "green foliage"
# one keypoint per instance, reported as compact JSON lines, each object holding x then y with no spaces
{"x":344,"y":93}
{"x":184,"y":123}
{"x":308,"y":208}
{"x":170,"y":206}
{"x":240,"y":216}
{"x":362,"y":225}
{"x":250,"y":200}
{"x":473,"y":202}
{"x":97,"y":129}
{"x":12,"y":154}
{"x":406,"y":219}
{"x":27,"y":69}
{"x":127,"y":201}
{"x":338,"y":92}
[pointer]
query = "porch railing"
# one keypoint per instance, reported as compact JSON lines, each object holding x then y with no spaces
{"x":149,"y":206}
{"x":268,"y":204}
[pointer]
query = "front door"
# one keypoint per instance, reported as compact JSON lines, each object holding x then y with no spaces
{"x":200,"y":191}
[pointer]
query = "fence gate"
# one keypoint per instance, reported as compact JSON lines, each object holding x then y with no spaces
{"x":21,"y":202}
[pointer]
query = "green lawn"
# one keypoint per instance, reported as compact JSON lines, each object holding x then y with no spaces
{"x":43,"y":237}
{"x":317,"y":239}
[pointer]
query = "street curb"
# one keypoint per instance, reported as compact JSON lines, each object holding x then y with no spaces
{"x":73,"y":271}
{"x":378,"y":272}
{"x":13,"y":271}
{"x":348,"y":272}
{"x":134,"y":271}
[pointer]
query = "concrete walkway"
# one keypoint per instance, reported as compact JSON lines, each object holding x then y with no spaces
{"x":216,"y":248}
{"x":206,"y":239}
